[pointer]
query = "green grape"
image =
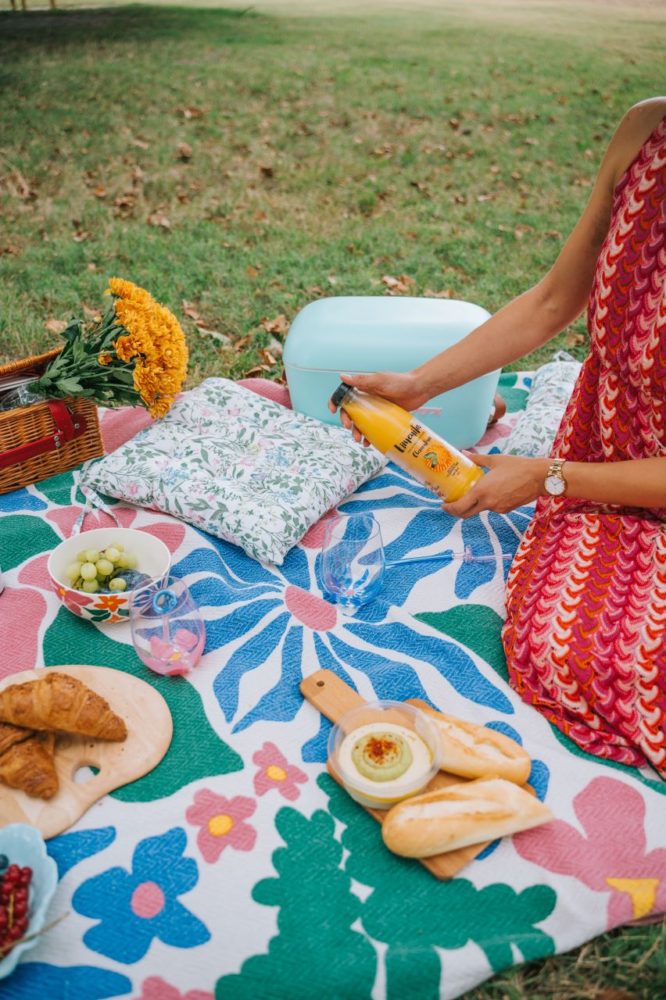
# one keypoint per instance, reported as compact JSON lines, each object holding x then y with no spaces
{"x":92,"y":555}
{"x":112,"y":554}
{"x":118,"y":545}
{"x":88,"y":571}
{"x":81,"y":557}
{"x":90,"y":586}
{"x":104,"y":567}
{"x":117,"y":583}
{"x":131,"y":561}
{"x":73,"y":572}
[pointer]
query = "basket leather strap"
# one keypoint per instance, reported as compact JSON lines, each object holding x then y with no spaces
{"x":65,"y":428}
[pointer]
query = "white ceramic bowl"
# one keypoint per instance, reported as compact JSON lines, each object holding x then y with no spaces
{"x":416,"y":728}
{"x":24,"y":846}
{"x":153,"y":558}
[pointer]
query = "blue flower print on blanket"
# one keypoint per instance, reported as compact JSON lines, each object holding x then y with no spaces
{"x":267,"y":615}
{"x":134,"y":907}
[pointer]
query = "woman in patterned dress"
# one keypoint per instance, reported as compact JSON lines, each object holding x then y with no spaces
{"x":585,"y":635}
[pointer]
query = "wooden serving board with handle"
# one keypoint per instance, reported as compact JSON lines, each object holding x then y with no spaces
{"x":149,"y":731}
{"x":333,"y":698}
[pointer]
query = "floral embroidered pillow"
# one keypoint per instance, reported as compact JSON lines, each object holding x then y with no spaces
{"x":239,"y":466}
{"x":535,"y":430}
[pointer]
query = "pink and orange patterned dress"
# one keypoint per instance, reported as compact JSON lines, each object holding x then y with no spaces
{"x":585,"y":636}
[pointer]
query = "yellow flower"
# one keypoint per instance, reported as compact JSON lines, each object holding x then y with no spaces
{"x":105,"y":359}
{"x":154,"y":341}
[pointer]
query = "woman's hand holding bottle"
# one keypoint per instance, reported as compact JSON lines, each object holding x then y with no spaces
{"x":402,"y":388}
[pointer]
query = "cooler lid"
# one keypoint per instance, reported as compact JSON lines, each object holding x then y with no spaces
{"x":365,"y":333}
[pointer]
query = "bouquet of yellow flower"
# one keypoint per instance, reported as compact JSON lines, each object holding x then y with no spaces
{"x":136,"y":354}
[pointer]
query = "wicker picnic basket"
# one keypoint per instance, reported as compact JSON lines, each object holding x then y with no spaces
{"x":46,"y":438}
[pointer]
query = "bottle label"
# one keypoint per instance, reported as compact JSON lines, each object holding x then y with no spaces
{"x":418,"y":443}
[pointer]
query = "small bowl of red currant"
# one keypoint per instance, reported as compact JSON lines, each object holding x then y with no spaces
{"x":28,"y":878}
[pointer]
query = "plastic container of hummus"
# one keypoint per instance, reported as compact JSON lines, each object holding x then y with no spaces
{"x":383,"y":752}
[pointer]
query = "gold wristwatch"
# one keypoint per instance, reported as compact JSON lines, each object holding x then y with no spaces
{"x":555,"y":484}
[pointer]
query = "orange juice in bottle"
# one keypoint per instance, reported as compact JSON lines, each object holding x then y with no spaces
{"x":407,"y":442}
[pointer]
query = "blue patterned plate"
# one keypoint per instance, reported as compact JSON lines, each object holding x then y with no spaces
{"x":24,"y":845}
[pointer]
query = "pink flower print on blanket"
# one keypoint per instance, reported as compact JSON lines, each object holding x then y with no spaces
{"x":276,"y":772}
{"x":610,"y":856}
{"x":221,"y":823}
{"x":156,"y":988}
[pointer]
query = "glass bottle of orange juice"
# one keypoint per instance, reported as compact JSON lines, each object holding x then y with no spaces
{"x":407,"y":442}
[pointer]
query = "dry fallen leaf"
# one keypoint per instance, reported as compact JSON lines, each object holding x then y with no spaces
{"x":91,"y":313}
{"x":139,"y":143}
{"x":159,"y":220}
{"x":184,"y":151}
{"x":268,"y":357}
{"x":80,"y":235}
{"x":266,"y":170}
{"x":190,"y":112}
{"x":573,"y":339}
{"x":10,"y":249}
{"x":397,"y":286}
{"x":18,"y":186}
{"x":193,"y":313}
{"x":252,"y":271}
{"x":220,"y":338}
{"x":54,"y":325}
{"x":444,"y":293}
{"x":124,"y":204}
{"x":100,"y":191}
{"x":257,"y":370}
{"x":278,"y":325}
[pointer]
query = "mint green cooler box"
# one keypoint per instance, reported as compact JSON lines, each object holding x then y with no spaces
{"x":357,"y":334}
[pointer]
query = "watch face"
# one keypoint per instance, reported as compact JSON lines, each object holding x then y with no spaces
{"x":555,"y":486}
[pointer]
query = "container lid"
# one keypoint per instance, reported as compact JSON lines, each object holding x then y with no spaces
{"x":352,"y":333}
{"x":340,"y":393}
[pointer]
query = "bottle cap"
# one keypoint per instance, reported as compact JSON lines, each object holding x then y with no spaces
{"x":340,"y":393}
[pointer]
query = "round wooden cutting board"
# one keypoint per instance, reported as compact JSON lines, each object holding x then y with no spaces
{"x":149,"y":731}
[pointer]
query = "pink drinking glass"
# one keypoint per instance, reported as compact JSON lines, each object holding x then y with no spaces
{"x":168,"y":631}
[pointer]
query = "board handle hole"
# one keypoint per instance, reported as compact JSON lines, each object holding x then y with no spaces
{"x":320,"y":684}
{"x":84,"y":773}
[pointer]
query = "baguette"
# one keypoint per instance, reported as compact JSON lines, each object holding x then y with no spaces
{"x":478,"y":752}
{"x":459,"y":815}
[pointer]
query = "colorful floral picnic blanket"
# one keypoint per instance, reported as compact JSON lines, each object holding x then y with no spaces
{"x":237,"y":868}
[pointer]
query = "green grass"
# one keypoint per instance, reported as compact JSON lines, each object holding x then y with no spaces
{"x":455,"y":148}
{"x":452,"y":143}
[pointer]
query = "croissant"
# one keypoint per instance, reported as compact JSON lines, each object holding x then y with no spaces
{"x":28,"y":764}
{"x":60,"y":702}
{"x":9,"y":735}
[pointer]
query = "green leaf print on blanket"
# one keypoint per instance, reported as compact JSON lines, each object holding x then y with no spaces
{"x":318,"y":946}
{"x":24,"y":536}
{"x":316,"y":950}
{"x":515,"y":399}
{"x":475,"y":626}
{"x":196,"y":750}
{"x":496,"y":918}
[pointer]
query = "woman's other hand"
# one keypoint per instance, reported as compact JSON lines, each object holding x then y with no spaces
{"x":402,"y":388}
{"x":511,"y":481}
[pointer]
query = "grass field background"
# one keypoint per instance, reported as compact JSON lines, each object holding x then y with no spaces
{"x":241,"y":160}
